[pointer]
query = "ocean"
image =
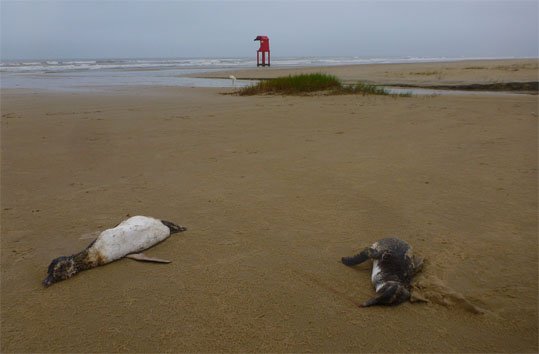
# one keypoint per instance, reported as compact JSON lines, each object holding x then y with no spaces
{"x":97,"y":74}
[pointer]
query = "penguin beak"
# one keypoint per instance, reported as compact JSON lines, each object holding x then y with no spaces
{"x":48,"y":281}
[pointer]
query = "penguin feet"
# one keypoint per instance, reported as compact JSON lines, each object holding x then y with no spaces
{"x":173,"y":227}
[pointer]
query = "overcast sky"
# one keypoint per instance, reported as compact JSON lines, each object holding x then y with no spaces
{"x":157,"y":29}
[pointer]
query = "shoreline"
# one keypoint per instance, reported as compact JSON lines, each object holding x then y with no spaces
{"x":499,"y":75}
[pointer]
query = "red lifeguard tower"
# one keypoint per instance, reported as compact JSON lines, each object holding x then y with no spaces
{"x":264,"y":48}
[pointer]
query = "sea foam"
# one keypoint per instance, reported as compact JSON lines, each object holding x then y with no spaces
{"x":57,"y":65}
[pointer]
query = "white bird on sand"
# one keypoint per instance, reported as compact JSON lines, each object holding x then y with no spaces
{"x":127,"y":239}
{"x":233,"y":78}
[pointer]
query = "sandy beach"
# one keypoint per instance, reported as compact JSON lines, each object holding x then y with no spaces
{"x":274,"y":191}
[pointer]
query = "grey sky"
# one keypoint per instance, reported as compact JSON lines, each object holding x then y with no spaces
{"x":154,"y":29}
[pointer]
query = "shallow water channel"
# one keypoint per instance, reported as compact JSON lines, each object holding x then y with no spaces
{"x":416,"y":91}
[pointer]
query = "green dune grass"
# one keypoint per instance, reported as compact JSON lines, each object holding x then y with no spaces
{"x":309,"y":83}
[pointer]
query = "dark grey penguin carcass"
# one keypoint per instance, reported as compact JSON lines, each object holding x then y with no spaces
{"x":394,"y":266}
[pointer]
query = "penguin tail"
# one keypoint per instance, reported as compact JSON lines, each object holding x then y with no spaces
{"x":173,"y":227}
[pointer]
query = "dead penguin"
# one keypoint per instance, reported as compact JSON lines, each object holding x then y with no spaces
{"x":394,"y":266}
{"x":127,"y":239}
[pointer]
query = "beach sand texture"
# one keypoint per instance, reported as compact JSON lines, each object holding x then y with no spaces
{"x":274,"y":190}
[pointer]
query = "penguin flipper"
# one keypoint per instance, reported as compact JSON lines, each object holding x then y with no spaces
{"x":382,"y":298}
{"x":392,"y":293}
{"x":143,"y":258}
{"x":367,"y":253}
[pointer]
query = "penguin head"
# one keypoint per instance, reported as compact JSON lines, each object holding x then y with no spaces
{"x":60,"y":269}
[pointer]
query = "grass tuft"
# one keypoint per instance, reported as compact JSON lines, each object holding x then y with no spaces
{"x":296,"y":84}
{"x":309,"y":83}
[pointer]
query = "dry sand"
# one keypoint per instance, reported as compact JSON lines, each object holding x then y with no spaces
{"x":274,"y":190}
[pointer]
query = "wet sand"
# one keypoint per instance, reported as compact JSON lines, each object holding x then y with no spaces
{"x":274,"y":190}
{"x":421,"y":74}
